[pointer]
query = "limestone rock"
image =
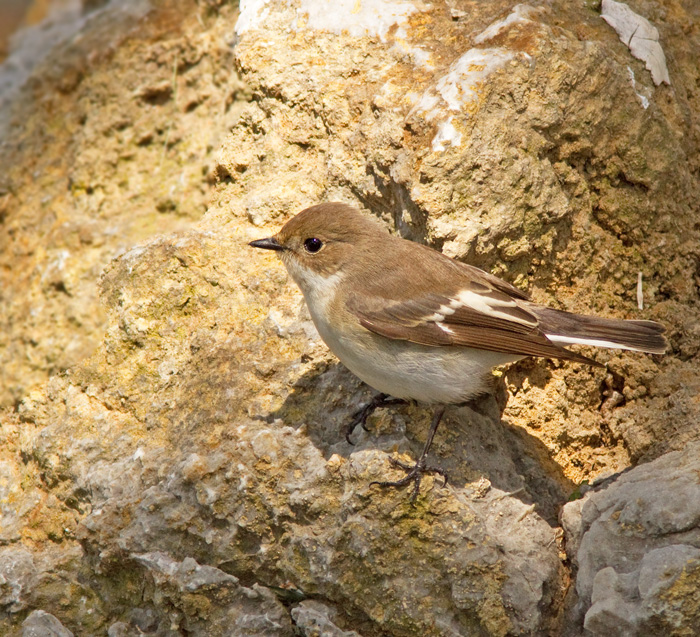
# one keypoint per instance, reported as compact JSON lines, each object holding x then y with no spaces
{"x":221,"y":605}
{"x":42,"y":624}
{"x":636,"y":543}
{"x":314,"y":618}
{"x":17,"y":574}
{"x":189,"y":459}
{"x":639,"y":35}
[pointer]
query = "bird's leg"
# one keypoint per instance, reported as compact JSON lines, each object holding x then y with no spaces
{"x":415,"y":473}
{"x":360,"y":417}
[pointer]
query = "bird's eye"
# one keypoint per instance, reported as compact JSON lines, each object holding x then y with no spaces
{"x":313,"y":245}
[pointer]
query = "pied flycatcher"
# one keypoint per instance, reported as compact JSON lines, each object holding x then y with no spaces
{"x":415,"y":324}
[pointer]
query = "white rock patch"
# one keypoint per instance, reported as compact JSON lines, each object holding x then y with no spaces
{"x":640,"y":36}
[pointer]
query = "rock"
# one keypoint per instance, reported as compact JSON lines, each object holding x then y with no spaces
{"x":67,"y":198}
{"x":639,"y":35}
{"x":316,"y":619}
{"x":637,"y":548}
{"x":42,"y":624}
{"x":185,"y":469}
{"x":47,"y":575}
{"x":119,"y":629}
{"x":211,"y":602}
{"x":18,"y":576}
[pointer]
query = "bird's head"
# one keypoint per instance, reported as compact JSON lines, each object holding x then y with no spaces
{"x":322,"y":240}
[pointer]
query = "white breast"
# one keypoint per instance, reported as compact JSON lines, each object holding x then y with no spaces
{"x":398,"y":368}
{"x":418,"y":372}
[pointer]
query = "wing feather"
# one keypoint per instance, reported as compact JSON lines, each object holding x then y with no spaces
{"x":449,"y":303}
{"x":438,"y":321}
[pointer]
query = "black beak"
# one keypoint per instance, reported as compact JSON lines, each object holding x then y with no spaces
{"x":267,"y":244}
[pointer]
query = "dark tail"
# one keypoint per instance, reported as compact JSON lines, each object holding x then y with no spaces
{"x":568,"y":329}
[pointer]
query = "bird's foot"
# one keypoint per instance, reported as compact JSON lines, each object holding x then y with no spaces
{"x":361,"y":415}
{"x":414,"y":474}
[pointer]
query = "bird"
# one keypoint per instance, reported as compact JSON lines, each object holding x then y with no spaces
{"x":417,"y":325}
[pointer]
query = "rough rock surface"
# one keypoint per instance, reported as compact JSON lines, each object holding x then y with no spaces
{"x":184,"y":470}
{"x":42,"y":624}
{"x":113,"y":141}
{"x":636,"y":545}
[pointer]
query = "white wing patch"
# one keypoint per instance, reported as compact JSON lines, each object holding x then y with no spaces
{"x":444,"y":328}
{"x":488,"y":306}
{"x":495,"y":308}
{"x":439,"y":316}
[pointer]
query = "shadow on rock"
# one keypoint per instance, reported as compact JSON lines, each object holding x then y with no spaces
{"x":473,"y":445}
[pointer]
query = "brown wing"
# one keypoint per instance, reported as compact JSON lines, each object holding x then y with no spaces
{"x":482,"y":317}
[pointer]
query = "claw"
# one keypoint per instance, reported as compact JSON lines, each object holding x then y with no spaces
{"x":361,"y":415}
{"x":416,"y":472}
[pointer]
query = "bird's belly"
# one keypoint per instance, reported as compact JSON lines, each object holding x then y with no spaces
{"x":417,"y":372}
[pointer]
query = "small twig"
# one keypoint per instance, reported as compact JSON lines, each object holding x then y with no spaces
{"x":640,"y":292}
